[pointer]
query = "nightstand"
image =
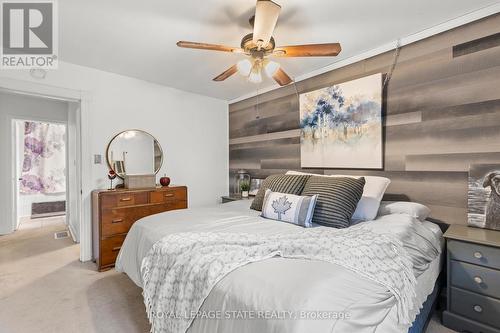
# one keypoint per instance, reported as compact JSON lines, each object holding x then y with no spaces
{"x":473,"y":265}
{"x":231,"y":198}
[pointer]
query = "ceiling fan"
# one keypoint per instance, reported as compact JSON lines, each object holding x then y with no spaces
{"x":260,"y":45}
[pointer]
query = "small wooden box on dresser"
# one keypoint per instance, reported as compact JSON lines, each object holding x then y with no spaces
{"x":114,"y":212}
{"x":473,"y":264}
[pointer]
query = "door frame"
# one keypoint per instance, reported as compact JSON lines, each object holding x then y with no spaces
{"x":84,"y":169}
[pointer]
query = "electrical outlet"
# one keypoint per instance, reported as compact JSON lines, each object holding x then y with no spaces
{"x":97,"y":159}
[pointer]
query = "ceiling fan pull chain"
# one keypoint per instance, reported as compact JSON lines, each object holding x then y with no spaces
{"x":395,"y":61}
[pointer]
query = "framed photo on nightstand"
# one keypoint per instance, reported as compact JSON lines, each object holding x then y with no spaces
{"x":484,"y":196}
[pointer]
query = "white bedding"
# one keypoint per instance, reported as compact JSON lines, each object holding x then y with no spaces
{"x":290,"y":285}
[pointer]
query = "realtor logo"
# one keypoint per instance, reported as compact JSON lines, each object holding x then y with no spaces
{"x":29,"y":36}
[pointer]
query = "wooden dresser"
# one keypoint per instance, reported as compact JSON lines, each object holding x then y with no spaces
{"x":114,"y":212}
{"x":473,"y":263}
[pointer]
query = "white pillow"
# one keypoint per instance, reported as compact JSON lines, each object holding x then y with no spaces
{"x":290,"y":208}
{"x":374,"y":190}
{"x":413,"y":209}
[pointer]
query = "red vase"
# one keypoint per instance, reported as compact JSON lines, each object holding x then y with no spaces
{"x":165,"y":181}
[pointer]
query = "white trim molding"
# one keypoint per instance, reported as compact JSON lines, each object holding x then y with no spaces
{"x":445,"y":26}
{"x":85,"y":176}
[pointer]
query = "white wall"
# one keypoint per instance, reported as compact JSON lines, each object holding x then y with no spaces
{"x":192,"y":129}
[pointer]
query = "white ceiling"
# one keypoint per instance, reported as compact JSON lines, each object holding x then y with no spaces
{"x":137,"y":38}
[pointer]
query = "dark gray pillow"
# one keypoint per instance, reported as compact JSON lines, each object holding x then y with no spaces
{"x":337,"y":199}
{"x":292,"y":184}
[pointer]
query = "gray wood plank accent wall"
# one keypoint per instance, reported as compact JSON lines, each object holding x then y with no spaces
{"x":442,"y":114}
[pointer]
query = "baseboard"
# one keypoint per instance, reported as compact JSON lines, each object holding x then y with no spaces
{"x":45,"y":215}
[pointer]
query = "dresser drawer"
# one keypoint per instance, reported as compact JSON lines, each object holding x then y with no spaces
{"x":474,"y":253}
{"x":116,"y":221}
{"x":110,"y":248}
{"x":167,"y":195}
{"x":480,"y":308}
{"x":475,"y":278}
{"x":115,"y":211}
{"x":462,"y":324}
{"x":124,"y":199}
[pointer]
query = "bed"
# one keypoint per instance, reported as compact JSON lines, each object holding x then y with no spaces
{"x":300,"y":286}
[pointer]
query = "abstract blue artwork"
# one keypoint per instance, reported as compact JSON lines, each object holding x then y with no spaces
{"x":341,"y":125}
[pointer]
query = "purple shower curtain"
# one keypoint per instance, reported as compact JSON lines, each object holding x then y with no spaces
{"x":44,"y":163}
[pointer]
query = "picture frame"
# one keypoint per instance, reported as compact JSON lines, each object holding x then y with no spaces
{"x":483,"y":196}
{"x":341,"y":125}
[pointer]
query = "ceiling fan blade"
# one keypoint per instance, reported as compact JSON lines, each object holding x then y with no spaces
{"x":310,"y":50}
{"x":227,"y":73}
{"x":211,"y":47}
{"x":282,"y":77}
{"x":266,"y":17}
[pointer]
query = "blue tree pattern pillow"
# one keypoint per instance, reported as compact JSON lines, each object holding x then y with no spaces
{"x":290,"y":208}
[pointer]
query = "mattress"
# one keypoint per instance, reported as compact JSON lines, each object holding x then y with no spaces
{"x":305,"y":288}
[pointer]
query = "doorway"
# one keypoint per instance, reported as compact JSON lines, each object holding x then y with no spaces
{"x":79,"y":168}
{"x":42,"y":136}
{"x":41,"y":159}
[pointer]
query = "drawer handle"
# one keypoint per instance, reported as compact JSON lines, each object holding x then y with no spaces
{"x":116,"y":248}
{"x":169,"y":195}
{"x":478,"y":279}
{"x":126,"y":199}
{"x":478,"y":308}
{"x":478,"y":255}
{"x":117,"y":221}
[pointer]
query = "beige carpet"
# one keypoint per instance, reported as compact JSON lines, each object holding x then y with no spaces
{"x":45,"y":289}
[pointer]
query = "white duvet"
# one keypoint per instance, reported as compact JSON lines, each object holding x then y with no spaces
{"x":307,"y":289}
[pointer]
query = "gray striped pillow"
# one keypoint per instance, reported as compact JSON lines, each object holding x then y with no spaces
{"x":337,"y":199}
{"x":291,"y":184}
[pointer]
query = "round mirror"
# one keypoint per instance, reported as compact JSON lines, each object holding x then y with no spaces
{"x":134,"y":152}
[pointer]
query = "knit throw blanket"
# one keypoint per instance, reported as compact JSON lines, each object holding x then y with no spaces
{"x":181,"y":269}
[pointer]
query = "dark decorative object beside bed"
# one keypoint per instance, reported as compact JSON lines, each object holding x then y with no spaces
{"x":484,"y":196}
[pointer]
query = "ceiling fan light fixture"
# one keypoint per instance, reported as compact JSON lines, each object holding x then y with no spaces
{"x":244,"y":67}
{"x":271,"y":68}
{"x":255,"y":76}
